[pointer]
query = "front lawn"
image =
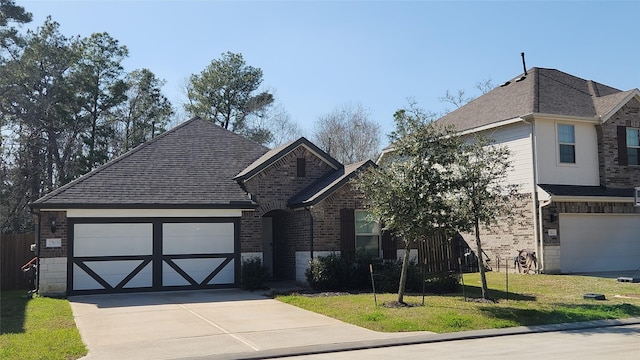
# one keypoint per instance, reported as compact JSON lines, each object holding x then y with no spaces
{"x":37,"y":328}
{"x":532,"y":300}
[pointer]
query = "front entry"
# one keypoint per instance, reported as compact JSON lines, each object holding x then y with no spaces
{"x":267,"y":244}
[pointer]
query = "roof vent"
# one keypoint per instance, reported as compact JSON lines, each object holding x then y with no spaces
{"x":523,"y":64}
{"x":505,"y":83}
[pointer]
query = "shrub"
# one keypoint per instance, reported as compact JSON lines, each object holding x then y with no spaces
{"x":444,"y":283}
{"x":253,"y":274}
{"x":387,"y":277}
{"x":335,"y":273}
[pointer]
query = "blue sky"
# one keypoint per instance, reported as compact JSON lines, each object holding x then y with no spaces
{"x":317,"y":55}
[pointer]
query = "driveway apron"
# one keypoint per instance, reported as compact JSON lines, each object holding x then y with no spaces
{"x":172,"y":325}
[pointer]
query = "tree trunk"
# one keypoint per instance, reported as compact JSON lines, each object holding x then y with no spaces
{"x":483,"y":276}
{"x":403,"y":272}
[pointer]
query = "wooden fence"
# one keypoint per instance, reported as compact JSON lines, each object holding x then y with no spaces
{"x":15,"y":251}
{"x":436,"y":254}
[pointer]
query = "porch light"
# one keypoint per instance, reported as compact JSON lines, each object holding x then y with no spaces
{"x":53,"y":223}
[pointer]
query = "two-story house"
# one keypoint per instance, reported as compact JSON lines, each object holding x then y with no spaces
{"x":575,"y":148}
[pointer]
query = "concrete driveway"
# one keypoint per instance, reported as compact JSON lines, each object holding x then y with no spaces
{"x":172,"y":325}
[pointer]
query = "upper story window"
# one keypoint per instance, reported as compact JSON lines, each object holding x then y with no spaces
{"x":567,"y":143}
{"x":367,"y":234}
{"x":633,"y":146}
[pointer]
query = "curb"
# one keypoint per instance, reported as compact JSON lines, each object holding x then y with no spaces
{"x":419,"y":339}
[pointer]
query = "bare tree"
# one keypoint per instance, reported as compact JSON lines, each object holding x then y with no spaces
{"x":347,"y":134}
{"x":460,"y":98}
{"x":282,"y":128}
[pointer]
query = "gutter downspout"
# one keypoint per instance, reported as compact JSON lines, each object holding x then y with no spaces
{"x":310,"y":231}
{"x":537,"y":210}
{"x":541,"y":233}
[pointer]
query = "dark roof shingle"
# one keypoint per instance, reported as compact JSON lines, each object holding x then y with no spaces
{"x":192,"y":164}
{"x":541,"y":91}
{"x":579,"y":190}
{"x":327,"y":185}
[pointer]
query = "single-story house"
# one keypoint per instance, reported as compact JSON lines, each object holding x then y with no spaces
{"x":183,"y":211}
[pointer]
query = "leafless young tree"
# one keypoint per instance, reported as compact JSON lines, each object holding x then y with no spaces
{"x":460,"y":97}
{"x":348,"y":134}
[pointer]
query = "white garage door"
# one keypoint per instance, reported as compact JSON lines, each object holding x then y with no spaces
{"x":154,"y":255}
{"x":599,"y":242}
{"x":111,"y":252}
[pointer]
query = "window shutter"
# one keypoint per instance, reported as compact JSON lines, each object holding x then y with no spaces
{"x":389,"y":247}
{"x":623,"y":158}
{"x":347,"y":232}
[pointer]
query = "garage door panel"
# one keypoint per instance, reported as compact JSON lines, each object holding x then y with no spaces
{"x":84,"y":281}
{"x":112,"y":239}
{"x":225,"y":276}
{"x":171,"y":277}
{"x":198,"y":270}
{"x":198,"y":238}
{"x":143,"y":279}
{"x":599,"y":242}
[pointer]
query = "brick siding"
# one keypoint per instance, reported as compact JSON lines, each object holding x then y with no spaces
{"x":46,"y":233}
{"x":502,"y":241}
{"x":611,"y":174}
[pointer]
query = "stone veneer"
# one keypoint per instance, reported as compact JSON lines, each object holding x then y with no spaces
{"x":53,"y":276}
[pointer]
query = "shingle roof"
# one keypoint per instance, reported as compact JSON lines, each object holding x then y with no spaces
{"x":327,"y":185}
{"x":542,"y":91}
{"x":577,"y":190}
{"x":191,"y":165}
{"x":274,"y":155}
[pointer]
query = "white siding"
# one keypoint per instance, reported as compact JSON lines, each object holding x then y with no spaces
{"x":517,"y":138}
{"x":550,"y":171}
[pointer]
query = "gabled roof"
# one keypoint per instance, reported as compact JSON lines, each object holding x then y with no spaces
{"x":189,"y":166}
{"x":276,"y":154}
{"x":327,"y":185}
{"x":541,"y":91}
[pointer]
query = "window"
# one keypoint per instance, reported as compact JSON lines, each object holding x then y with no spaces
{"x":567,"y":144}
{"x":302,"y":167}
{"x":633,"y":146}
{"x":367,"y":234}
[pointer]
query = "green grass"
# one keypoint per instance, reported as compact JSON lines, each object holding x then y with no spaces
{"x":37,"y":328}
{"x":532,"y":300}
